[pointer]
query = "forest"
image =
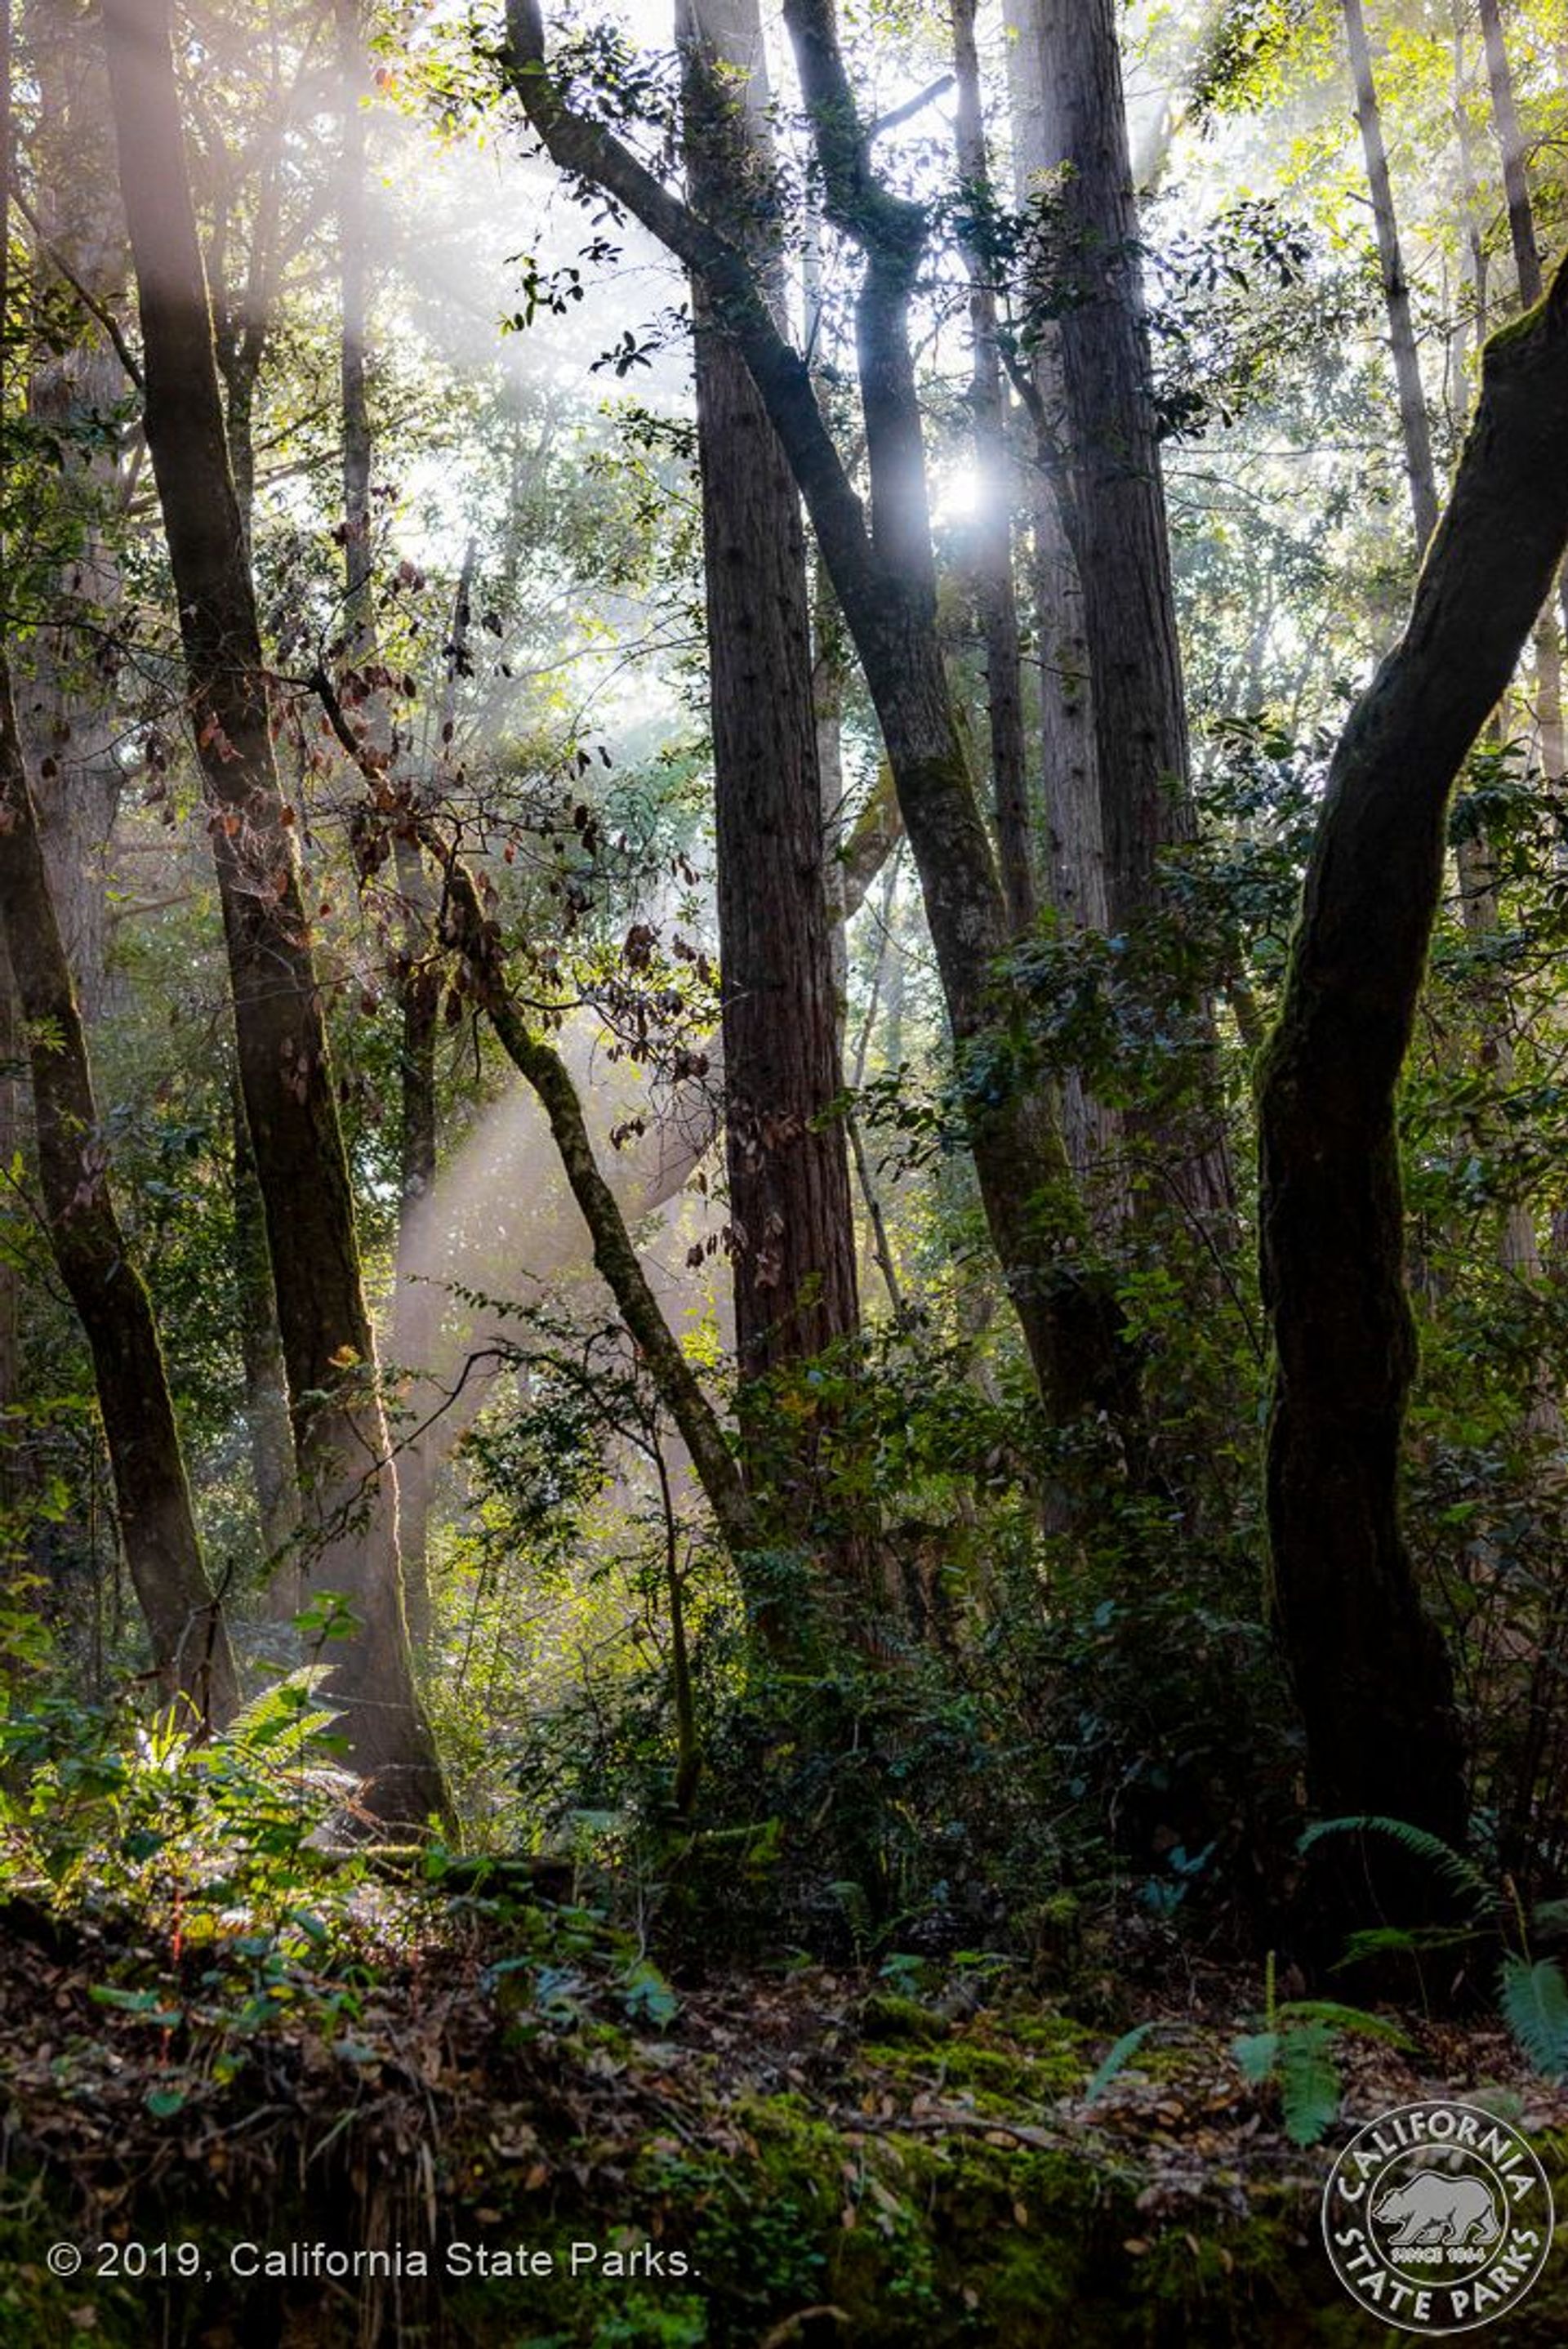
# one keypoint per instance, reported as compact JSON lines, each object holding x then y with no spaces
{"x":783,"y":1172}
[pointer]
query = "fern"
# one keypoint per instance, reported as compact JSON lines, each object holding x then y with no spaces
{"x":1126,"y":2047}
{"x":1451,"y":1868}
{"x":1309,"y":2084}
{"x":1344,"y":2018}
{"x":1300,"y":2058}
{"x":1535,"y":2006}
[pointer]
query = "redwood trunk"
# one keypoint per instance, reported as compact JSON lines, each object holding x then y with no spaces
{"x":349,"y":1491}
{"x":795,"y":1292}
{"x":1122,"y":545}
{"x":991,"y":556}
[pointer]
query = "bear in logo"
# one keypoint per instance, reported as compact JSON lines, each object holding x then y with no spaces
{"x":1436,"y":2208}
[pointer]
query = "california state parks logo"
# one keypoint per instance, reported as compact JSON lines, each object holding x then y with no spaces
{"x":1438,"y":2218}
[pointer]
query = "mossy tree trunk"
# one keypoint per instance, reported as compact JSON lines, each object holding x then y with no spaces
{"x":1369,"y":1668}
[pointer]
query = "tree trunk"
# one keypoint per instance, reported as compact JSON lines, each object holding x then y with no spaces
{"x":267,"y":1425}
{"x":1370,"y":1670}
{"x":348,"y":1487}
{"x":790,"y":1216}
{"x":1123,"y":542}
{"x":1510,"y":141}
{"x":885,"y":584}
{"x":152,"y":1498}
{"x":1072,"y":839}
{"x":991,"y":556}
{"x":1415,"y":433}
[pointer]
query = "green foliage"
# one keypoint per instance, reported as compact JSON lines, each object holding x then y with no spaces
{"x":1534,"y":2001}
{"x":1296,"y":2050}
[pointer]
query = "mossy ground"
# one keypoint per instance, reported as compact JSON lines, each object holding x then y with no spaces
{"x":812,"y":2161}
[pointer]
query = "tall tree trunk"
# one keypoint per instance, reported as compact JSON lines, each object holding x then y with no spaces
{"x":1370,"y":1671}
{"x":991,"y":556}
{"x":789,"y":1178}
{"x":885,"y":583}
{"x":349,"y":1490}
{"x":152,"y":1498}
{"x":1421,"y":475}
{"x":1072,"y":851}
{"x":241,"y":348}
{"x":1510,"y":141}
{"x":1122,"y":542}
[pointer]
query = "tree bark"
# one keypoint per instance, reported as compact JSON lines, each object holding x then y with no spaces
{"x":267,"y":1424}
{"x":792,"y":1225}
{"x":348,"y":1489}
{"x":991,"y":557}
{"x":1122,"y":544}
{"x":884,"y":580}
{"x":1527,"y":269}
{"x":1370,"y":1670}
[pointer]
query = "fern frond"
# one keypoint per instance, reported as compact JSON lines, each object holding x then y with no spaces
{"x":1309,"y":2083}
{"x":1451,"y":1868}
{"x":1535,"y":2006}
{"x":1344,"y":2018}
{"x":1126,"y":2047}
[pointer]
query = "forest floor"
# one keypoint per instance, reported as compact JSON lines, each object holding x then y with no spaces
{"x":550,"y":2146}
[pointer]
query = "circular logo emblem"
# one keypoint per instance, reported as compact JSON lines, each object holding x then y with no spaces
{"x":1438,"y":2218}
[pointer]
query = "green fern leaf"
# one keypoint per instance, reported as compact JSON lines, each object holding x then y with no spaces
{"x":1451,"y":1867}
{"x":1535,"y":2004}
{"x":1126,"y":2047}
{"x":1257,"y":2053}
{"x":1309,"y":2083}
{"x":1344,"y":2018}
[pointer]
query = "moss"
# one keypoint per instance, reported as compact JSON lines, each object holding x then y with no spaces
{"x":1024,"y":2065}
{"x":886,"y":2016}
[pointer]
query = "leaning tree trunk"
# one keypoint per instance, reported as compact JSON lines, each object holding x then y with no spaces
{"x":1370,"y":1670}
{"x":349,"y":1491}
{"x":1478,"y":898}
{"x":152,"y":1498}
{"x":794,"y":1256}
